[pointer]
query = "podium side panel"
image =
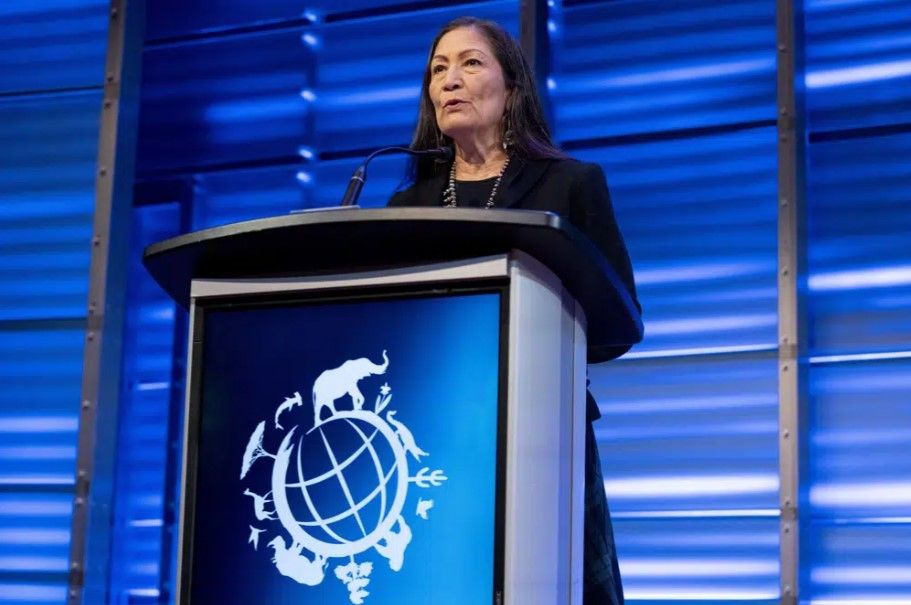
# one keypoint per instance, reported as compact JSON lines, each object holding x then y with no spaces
{"x":543,"y":532}
{"x":577,"y":484}
{"x":183,"y":544}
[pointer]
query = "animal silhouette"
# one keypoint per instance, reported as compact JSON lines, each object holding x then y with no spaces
{"x":259,"y":506}
{"x":395,"y":544}
{"x":254,"y":537}
{"x":423,"y":507}
{"x":405,"y":435}
{"x":355,"y":578}
{"x":337,"y":382}
{"x":291,"y":563}
{"x":289,"y":403}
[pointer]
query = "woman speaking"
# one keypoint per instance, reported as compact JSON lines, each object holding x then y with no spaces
{"x":478,"y":97}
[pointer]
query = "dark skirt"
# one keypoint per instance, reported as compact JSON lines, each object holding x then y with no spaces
{"x":601,"y":573}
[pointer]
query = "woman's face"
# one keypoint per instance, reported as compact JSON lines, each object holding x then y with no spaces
{"x":467,"y":88}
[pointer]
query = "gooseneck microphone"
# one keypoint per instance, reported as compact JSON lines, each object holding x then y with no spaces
{"x":440,"y":154}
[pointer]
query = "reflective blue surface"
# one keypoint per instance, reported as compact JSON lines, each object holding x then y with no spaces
{"x":238,"y":195}
{"x":166,"y":19}
{"x":858,"y":63}
{"x":860,"y":563}
{"x":148,"y":398}
{"x":229,"y":100}
{"x":699,"y":560}
{"x":52,"y":44}
{"x":50,"y":99}
{"x":632,"y":67}
{"x":702,"y":236}
{"x":860,"y":257}
{"x":689,"y":441}
{"x":47,"y":155}
{"x":861,"y":407}
{"x":175,"y":18}
{"x":48,"y":144}
{"x":859,"y":105}
{"x":34,"y":546}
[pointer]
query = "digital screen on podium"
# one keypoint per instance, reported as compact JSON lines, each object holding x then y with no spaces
{"x":346,"y":452}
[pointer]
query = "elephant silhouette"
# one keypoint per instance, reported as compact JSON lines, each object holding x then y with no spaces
{"x":338,"y":382}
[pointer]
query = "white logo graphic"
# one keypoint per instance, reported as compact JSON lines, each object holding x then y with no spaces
{"x":373,"y":517}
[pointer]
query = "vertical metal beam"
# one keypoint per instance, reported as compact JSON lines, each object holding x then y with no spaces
{"x":535,"y":39}
{"x":792,"y":314}
{"x":98,"y":423}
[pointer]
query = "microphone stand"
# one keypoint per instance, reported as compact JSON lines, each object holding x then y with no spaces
{"x":441,"y":154}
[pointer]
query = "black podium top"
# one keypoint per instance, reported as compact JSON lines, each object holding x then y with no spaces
{"x":350,"y":240}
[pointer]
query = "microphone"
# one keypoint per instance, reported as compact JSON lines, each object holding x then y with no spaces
{"x":442,"y":155}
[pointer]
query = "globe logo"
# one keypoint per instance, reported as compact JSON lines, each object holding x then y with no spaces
{"x":360,"y":476}
{"x":339,"y":489}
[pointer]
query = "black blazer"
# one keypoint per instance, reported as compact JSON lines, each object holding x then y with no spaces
{"x":573,"y":189}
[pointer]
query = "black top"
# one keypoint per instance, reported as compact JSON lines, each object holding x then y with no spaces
{"x":474,"y":194}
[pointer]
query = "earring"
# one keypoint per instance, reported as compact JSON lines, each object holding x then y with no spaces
{"x":507,"y":137}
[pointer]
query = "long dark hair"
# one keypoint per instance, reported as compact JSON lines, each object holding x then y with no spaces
{"x":530,"y":136}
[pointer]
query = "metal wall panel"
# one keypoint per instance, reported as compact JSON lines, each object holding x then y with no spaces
{"x":238,"y":195}
{"x":147,"y":395}
{"x":859,"y":108}
{"x":226,"y":100}
{"x":178,"y":18}
{"x":860,"y":257}
{"x":858,"y":63}
{"x":169,"y":19}
{"x":51,"y":67}
{"x":47,"y":156}
{"x":648,"y":65}
{"x":40,"y":374}
{"x":689,"y":434}
{"x":34,"y":540}
{"x":39,"y":368}
{"x":861,"y":407}
{"x":854,"y":564}
{"x":699,"y":218}
{"x":715,"y":560}
{"x":52,"y":44}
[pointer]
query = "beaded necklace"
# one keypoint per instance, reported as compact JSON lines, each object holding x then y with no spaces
{"x":449,"y":194}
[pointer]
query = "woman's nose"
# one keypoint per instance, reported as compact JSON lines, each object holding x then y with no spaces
{"x":453,"y":79}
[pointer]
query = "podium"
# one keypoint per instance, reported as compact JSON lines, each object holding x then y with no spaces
{"x":388,"y":406}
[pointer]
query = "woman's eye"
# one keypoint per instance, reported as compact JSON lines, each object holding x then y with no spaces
{"x":473,"y":62}
{"x":437,"y":69}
